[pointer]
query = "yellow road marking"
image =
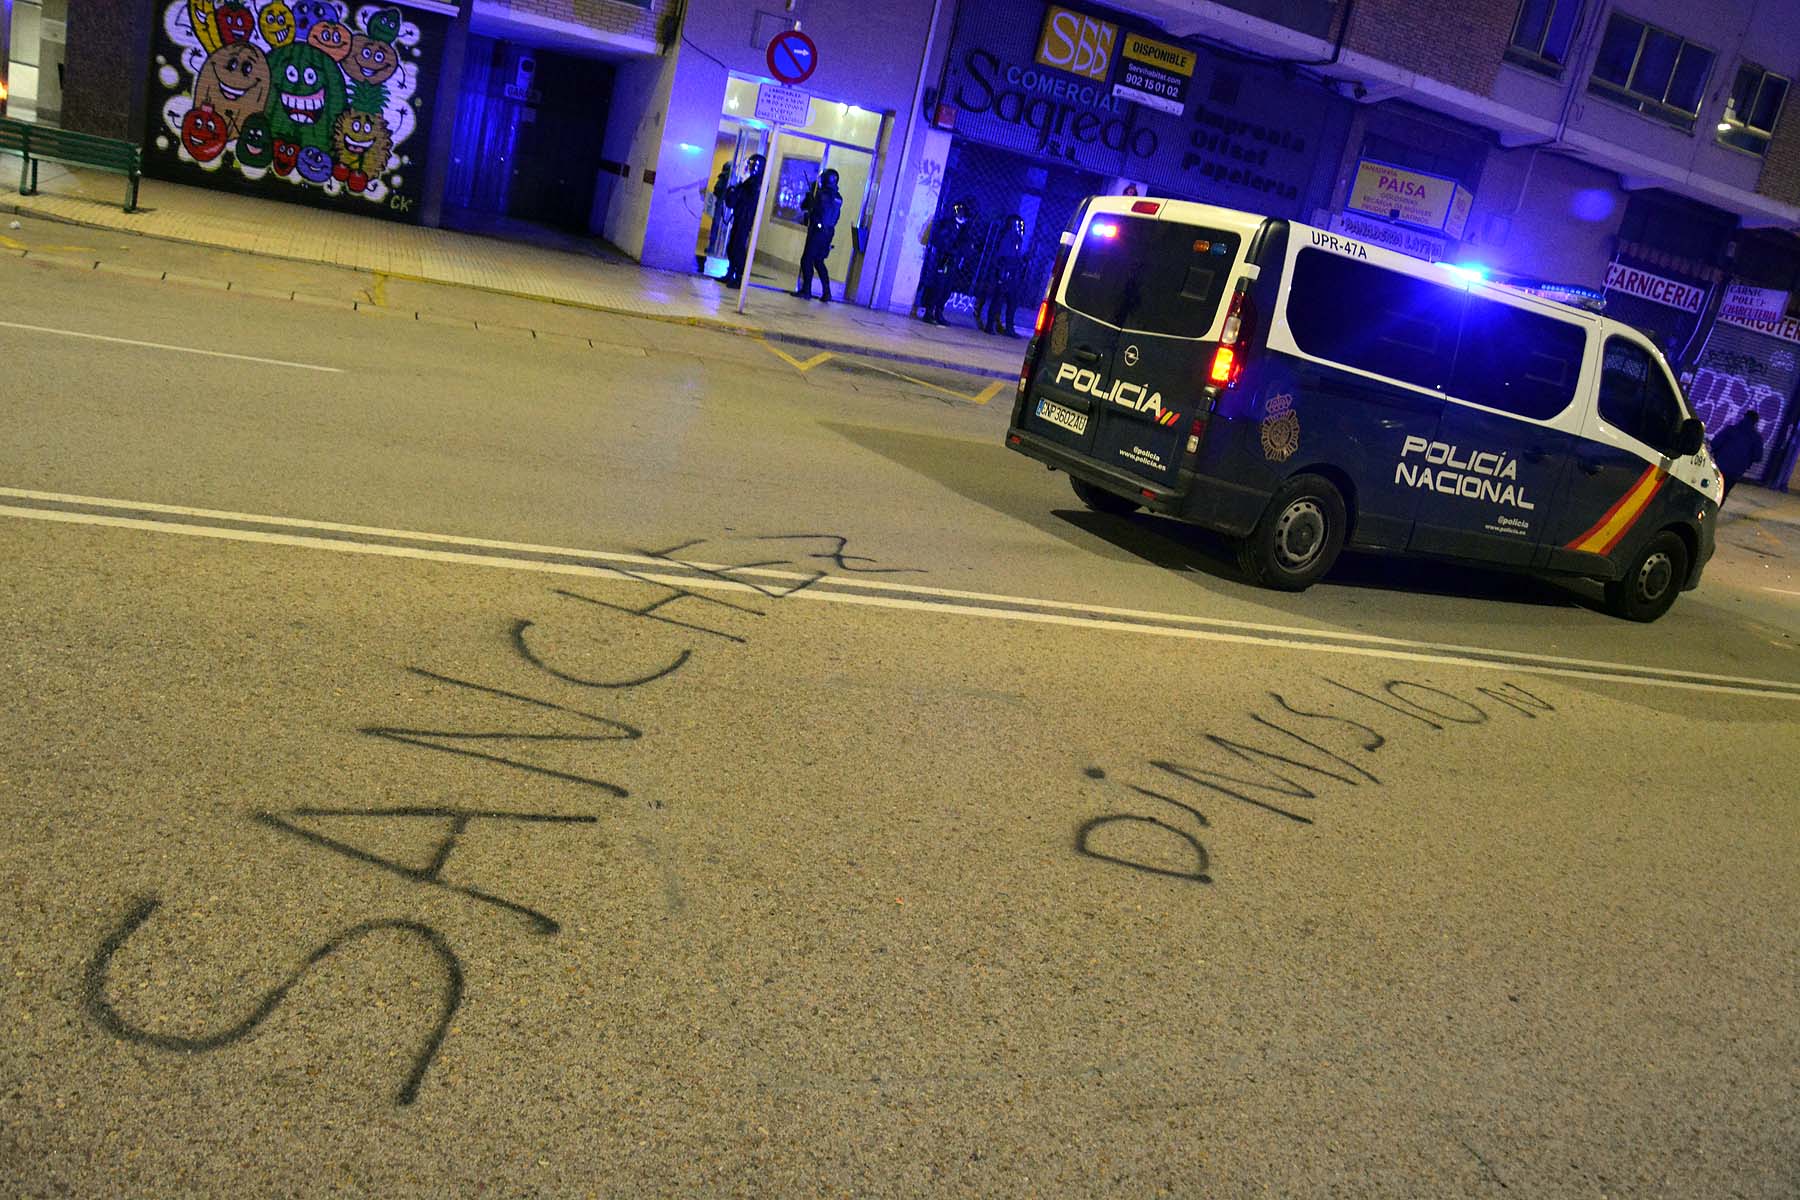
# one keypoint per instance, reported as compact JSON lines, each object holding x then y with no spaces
{"x":981,"y":397}
{"x":11,"y":244}
{"x":379,"y":295}
{"x":790,"y":360}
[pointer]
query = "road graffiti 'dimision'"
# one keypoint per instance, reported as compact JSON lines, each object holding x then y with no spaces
{"x":1279,"y":787}
{"x":693,"y":622}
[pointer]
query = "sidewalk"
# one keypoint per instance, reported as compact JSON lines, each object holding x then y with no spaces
{"x":1753,"y":503}
{"x":201,"y":216}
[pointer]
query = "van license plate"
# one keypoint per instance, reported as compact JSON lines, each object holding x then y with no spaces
{"x":1064,"y":418}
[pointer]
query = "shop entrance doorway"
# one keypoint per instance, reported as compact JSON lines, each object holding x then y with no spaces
{"x":840,"y":137}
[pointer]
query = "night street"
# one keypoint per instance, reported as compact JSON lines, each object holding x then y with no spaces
{"x":466,"y":746}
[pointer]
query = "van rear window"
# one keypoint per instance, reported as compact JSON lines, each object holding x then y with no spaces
{"x":1151,"y":276}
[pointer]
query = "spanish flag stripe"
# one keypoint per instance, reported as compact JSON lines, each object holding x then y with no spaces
{"x":1618,"y":520}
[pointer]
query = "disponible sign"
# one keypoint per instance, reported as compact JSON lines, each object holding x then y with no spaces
{"x":1633,"y":282}
{"x":1431,"y":201}
{"x":1753,"y":306}
{"x":1155,"y":73}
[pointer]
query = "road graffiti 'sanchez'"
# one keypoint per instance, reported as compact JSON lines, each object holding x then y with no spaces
{"x":1276,"y":792}
{"x":468,"y":743}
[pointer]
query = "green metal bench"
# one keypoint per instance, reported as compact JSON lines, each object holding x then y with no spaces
{"x":33,"y":143}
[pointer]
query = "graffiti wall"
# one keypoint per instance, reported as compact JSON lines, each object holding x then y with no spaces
{"x":316,"y":101}
{"x":1749,"y":366}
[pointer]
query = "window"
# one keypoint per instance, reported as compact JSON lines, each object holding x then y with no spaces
{"x":1373,"y":319}
{"x":1517,"y":361}
{"x":1540,"y":38}
{"x":1636,"y":397}
{"x":1152,"y":276}
{"x":1649,"y":69}
{"x":1753,"y":109}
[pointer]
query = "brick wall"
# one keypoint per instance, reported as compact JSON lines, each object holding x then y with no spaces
{"x":1459,"y":43}
{"x":608,"y":16}
{"x":1780,"y":178}
{"x":104,"y":76}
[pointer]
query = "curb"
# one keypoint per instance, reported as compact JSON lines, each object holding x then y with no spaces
{"x":715,"y":324}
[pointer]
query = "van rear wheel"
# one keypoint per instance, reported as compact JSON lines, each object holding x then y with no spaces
{"x":1299,"y":536}
{"x":1651,"y":581}
{"x":1101,"y":500}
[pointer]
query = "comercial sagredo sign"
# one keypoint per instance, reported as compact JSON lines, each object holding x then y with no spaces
{"x":1067,"y":85}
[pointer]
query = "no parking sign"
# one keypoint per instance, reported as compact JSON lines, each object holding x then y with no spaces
{"x":792,"y":57}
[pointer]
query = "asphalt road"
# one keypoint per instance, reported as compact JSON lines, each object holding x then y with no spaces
{"x":481,"y":748}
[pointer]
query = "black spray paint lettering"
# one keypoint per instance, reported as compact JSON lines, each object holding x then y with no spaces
{"x":432,"y":739}
{"x":650,"y":611}
{"x":1421,"y":702}
{"x":840,"y":557}
{"x":107,"y":1016}
{"x":525,"y":651}
{"x":1083,"y":846}
{"x":431,"y":874}
{"x":732,"y":574}
{"x":1273,"y":782}
{"x":1084,"y":836}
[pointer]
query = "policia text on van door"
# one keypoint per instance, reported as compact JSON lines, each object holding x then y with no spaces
{"x":1301,"y":391}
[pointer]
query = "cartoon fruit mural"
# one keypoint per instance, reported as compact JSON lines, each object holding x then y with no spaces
{"x":236,"y":23}
{"x":308,"y":13}
{"x":333,"y":37}
{"x":202,"y":16}
{"x":277,"y":21}
{"x":306,"y":96}
{"x":235,"y":82}
{"x":255,"y":144}
{"x":313,"y":164}
{"x":363,"y":144}
{"x":203,"y":133}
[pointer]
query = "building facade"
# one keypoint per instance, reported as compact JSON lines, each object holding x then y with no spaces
{"x":1643,"y":149}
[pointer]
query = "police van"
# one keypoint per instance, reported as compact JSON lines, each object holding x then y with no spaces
{"x":1301,"y":391}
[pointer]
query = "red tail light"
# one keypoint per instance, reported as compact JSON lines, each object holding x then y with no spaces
{"x":1224,"y":366}
{"x":1147,"y":207}
{"x":1234,"y":339}
{"x":1043,"y":321}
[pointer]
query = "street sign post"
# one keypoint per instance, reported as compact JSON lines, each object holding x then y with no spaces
{"x":778,"y":106}
{"x":792,"y":57}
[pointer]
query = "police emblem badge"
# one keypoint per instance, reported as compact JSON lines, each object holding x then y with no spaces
{"x":1280,"y":428}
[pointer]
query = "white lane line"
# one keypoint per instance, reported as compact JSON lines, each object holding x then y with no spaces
{"x":902,"y":589}
{"x":1781,"y":591}
{"x":896,"y":602}
{"x":100,"y":337}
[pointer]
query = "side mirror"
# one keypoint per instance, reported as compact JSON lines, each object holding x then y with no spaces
{"x":1691,"y":439}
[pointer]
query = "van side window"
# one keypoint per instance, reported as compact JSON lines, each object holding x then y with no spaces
{"x":1516,"y":360}
{"x":1636,"y":398}
{"x":1373,"y":319}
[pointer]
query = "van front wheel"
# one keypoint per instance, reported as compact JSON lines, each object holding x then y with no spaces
{"x":1101,"y":500}
{"x":1651,"y":581}
{"x":1299,"y":536}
